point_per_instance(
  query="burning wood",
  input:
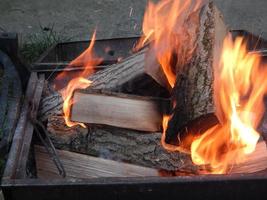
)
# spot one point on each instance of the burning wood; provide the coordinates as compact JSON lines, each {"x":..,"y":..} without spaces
{"x":193,"y":89}
{"x":207,"y":74}
{"x":113,"y":78}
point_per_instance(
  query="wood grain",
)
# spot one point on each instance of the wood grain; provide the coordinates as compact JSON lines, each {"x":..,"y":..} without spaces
{"x":84,"y":166}
{"x":115,"y":109}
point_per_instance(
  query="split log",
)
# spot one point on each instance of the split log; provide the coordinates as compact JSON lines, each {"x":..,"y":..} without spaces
{"x":117,"y":77}
{"x":126,"y":145}
{"x":117,"y":109}
{"x":139,"y":149}
{"x":83,"y":166}
{"x":193,"y":90}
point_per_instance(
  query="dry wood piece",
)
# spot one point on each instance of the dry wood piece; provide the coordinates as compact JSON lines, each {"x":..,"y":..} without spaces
{"x":84,"y":166}
{"x":116,"y":109}
{"x":193,"y":91}
{"x":131,"y":146}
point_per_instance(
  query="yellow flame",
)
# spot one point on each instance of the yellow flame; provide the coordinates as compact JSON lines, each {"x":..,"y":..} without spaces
{"x":240,"y":85}
{"x":88,"y":60}
{"x":165,"y":28}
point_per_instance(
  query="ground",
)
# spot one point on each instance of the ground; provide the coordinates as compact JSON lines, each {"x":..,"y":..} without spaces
{"x":113,"y":18}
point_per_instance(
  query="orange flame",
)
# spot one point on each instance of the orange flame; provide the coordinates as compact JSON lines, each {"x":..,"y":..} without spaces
{"x":165,"y":145}
{"x":165,"y":29}
{"x":88,"y":60}
{"x":240,"y":85}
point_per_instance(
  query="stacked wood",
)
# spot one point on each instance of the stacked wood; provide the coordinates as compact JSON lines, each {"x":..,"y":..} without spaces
{"x":193,"y":90}
{"x":193,"y":95}
{"x":118,"y":144}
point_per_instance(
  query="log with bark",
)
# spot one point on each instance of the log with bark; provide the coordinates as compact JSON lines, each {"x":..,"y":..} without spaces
{"x":193,"y":94}
{"x":140,"y":148}
{"x":193,"y":90}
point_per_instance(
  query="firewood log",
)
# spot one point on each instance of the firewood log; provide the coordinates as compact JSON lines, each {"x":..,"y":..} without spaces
{"x":138,"y":148}
{"x":118,"y":109}
{"x":118,"y":144}
{"x":193,"y":90}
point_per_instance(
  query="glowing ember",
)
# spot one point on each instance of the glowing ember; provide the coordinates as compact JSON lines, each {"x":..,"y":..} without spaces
{"x":165,"y":26}
{"x":88,"y":60}
{"x":240,"y":85}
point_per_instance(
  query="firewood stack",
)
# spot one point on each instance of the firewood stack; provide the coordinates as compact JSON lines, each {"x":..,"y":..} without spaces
{"x":125,"y":105}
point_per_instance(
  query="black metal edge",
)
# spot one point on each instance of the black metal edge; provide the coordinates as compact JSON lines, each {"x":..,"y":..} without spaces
{"x":40,"y":66}
{"x":200,"y":187}
{"x":44,"y":54}
{"x":100,"y":40}
{"x":137,"y":180}
{"x":46,"y":66}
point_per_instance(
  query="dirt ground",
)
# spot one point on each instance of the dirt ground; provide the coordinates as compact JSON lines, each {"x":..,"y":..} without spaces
{"x":113,"y":18}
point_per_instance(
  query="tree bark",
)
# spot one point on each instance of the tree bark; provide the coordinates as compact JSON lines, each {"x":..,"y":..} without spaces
{"x":134,"y":147}
{"x":112,"y":78}
{"x":193,"y":90}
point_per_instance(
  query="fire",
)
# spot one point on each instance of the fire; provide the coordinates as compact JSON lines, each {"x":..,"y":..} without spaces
{"x":169,"y":147}
{"x":165,"y":29}
{"x":240,"y":85}
{"x":80,"y":81}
